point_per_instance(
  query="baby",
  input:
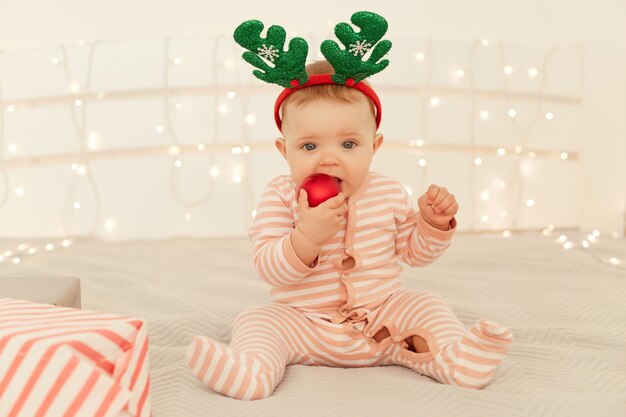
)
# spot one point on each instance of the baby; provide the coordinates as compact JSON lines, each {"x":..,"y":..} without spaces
{"x":337,"y":298}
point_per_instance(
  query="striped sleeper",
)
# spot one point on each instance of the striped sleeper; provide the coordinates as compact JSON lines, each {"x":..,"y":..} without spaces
{"x":348,"y":308}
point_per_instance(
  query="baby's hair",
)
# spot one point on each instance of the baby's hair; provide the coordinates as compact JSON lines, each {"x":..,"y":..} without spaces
{"x":325,"y":91}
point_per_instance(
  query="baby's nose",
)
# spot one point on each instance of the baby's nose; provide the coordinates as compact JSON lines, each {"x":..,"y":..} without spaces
{"x":329,"y":158}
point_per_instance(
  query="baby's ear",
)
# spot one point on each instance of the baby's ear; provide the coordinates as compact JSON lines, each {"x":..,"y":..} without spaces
{"x":281,"y":146}
{"x":378,"y":140}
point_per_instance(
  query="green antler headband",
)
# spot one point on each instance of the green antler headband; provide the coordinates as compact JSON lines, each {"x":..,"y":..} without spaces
{"x":287,"y":68}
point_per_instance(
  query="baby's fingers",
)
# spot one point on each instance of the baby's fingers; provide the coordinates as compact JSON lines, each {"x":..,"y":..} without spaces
{"x":334,"y":202}
{"x":303,"y":200}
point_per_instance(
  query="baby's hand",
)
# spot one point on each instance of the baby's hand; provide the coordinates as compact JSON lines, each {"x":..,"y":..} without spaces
{"x":319,"y":224}
{"x":438,"y":207}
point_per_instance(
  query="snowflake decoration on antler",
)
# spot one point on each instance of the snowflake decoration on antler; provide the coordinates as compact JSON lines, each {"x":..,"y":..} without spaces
{"x":268,"y":53}
{"x":360,"y":47}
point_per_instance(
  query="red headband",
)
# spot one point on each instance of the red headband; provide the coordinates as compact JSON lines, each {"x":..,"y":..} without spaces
{"x":318,"y":79}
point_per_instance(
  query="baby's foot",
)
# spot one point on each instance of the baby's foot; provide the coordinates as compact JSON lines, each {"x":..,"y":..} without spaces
{"x":472,"y":361}
{"x":238,"y":375}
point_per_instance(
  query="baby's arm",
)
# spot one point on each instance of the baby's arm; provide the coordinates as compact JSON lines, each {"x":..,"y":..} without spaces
{"x":417,"y":242}
{"x":273,"y":238}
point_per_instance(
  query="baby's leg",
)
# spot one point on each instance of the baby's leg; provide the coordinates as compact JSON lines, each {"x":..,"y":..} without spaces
{"x":255,"y":362}
{"x":431,"y":340}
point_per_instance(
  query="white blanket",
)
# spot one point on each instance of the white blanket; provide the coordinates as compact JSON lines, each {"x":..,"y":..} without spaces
{"x":567,"y":312}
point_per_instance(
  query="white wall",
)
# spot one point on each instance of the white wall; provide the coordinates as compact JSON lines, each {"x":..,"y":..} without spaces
{"x":599,"y":25}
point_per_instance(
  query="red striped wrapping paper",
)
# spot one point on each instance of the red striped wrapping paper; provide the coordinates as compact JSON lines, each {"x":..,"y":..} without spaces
{"x":57,"y":361}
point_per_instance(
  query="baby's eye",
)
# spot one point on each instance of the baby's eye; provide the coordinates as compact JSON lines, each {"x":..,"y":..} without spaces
{"x":349,"y":144}
{"x":309,"y":146}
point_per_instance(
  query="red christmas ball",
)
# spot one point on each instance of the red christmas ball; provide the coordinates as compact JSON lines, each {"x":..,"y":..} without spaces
{"x":319,"y":188}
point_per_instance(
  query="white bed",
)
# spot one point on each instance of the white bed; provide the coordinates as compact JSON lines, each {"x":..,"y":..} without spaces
{"x":567,"y":312}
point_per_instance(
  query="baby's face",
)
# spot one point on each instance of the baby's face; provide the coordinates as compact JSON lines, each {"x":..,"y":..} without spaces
{"x":330,"y":137}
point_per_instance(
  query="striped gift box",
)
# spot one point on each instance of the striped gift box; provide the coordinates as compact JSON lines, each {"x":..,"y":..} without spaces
{"x":58,"y":361}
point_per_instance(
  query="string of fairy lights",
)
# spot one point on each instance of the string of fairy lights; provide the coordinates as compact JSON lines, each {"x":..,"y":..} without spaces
{"x":80,"y":95}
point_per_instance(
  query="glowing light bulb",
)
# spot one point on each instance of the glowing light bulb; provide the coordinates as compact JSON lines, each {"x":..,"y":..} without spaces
{"x":484,"y":115}
{"x":178,"y":106}
{"x":419,"y":143}
{"x":109,"y":224}
{"x":530,"y":202}
{"x":484,"y":195}
{"x":22,"y":246}
{"x":484,"y":218}
{"x":512,"y":113}
{"x":159,"y":128}
{"x":420,"y":56}
{"x":19,"y":191}
{"x":66,"y":243}
{"x":533,"y":72}
{"x":236,"y":150}
{"x":568,"y":245}
{"x":78,"y":102}
{"x":49,"y":246}
{"x":237,"y":179}
{"x":408,"y":190}
{"x":177,"y":61}
{"x":200,"y":147}
{"x":434,"y":101}
{"x":478,"y":161}
{"x":506,"y":234}
{"x":585,"y":244}
{"x":564,"y":155}
{"x":12,"y":148}
{"x":484,"y":42}
{"x":32,"y":251}
{"x":518,"y":149}
{"x":55,"y":60}
{"x":549,"y":116}
{"x":76,"y":205}
{"x":174,"y":150}
{"x":231,"y":94}
{"x":16,"y":260}
{"x":178,"y":163}
{"x":187,"y":216}
{"x":250,"y":119}
{"x":74,"y":87}
{"x":501,"y":151}
{"x":531,"y":155}
{"x":222,"y":108}
{"x":503,"y":214}
{"x":614,"y":261}
{"x":596,"y":233}
{"x":253,"y":213}
{"x":422,"y":162}
{"x":214,"y":171}
{"x":562,"y":238}
{"x":460,"y":72}
{"x":508,"y":70}
{"x":246,"y":149}
{"x":10,"y":108}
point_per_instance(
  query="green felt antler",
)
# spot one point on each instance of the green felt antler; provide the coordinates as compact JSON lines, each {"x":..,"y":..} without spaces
{"x":348,"y":62}
{"x":287,"y":65}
